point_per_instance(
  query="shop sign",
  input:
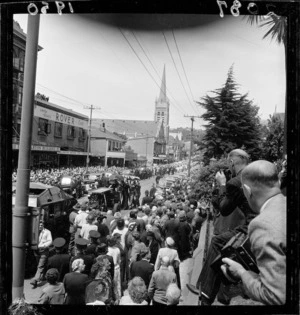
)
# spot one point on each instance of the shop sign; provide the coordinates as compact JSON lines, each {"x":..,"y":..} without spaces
{"x":59,"y":117}
{"x":38,"y":148}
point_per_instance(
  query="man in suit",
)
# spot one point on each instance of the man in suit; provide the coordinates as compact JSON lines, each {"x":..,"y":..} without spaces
{"x":230,"y":198}
{"x":267,"y":234}
{"x":142,"y":268}
{"x":153,"y":246}
{"x":60,"y":260}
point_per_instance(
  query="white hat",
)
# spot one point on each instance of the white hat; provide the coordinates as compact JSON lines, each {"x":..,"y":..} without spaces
{"x":170,"y":242}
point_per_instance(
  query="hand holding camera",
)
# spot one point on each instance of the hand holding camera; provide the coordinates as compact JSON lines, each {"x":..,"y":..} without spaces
{"x":221,"y":178}
{"x":232,"y":269}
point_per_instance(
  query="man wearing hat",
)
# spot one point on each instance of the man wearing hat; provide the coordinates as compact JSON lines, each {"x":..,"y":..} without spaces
{"x":60,"y":260}
{"x":94,"y":237}
{"x":81,"y":246}
{"x":142,"y":268}
{"x":80,"y":219}
{"x":72,"y":229}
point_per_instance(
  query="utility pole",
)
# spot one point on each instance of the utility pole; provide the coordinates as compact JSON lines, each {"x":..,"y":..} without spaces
{"x":23,"y":173}
{"x":91,"y":108}
{"x":191,"y":146}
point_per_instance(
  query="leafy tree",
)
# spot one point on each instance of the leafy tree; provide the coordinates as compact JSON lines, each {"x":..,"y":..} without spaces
{"x":277,"y":30}
{"x":274,"y":138}
{"x":233,"y":122}
{"x":203,"y":180}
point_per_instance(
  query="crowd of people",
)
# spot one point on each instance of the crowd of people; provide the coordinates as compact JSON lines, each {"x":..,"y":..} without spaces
{"x":117,"y":259}
{"x":135,"y":259}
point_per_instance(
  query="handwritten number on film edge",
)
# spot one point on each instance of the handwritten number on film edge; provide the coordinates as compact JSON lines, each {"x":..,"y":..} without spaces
{"x":33,"y":9}
{"x":234,"y":9}
{"x":220,"y":3}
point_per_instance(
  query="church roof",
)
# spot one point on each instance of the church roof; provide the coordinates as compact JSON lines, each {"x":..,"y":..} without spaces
{"x":101,"y":134}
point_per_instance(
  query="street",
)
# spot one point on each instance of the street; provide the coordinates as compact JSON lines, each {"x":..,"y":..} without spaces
{"x":188,"y":269}
{"x":32,"y":295}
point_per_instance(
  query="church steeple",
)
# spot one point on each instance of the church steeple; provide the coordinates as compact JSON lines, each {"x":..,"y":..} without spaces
{"x":163,"y":89}
{"x":162,"y":105}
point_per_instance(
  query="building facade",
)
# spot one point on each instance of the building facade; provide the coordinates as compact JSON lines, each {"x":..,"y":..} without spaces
{"x":59,"y":137}
{"x":146,"y":138}
{"x":107,"y":147}
{"x":19,"y":46}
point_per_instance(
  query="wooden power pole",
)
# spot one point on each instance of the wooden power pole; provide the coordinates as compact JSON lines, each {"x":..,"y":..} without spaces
{"x":191,"y":146}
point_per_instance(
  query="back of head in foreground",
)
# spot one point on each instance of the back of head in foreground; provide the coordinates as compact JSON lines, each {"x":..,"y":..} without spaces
{"x":137,"y":290}
{"x":173,"y":294}
{"x":260,"y":182}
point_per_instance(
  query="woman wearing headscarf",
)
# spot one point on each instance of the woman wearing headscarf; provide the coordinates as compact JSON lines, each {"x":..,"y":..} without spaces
{"x":75,"y":283}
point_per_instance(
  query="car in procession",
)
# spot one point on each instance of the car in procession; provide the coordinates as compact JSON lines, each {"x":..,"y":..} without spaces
{"x":50,"y":205}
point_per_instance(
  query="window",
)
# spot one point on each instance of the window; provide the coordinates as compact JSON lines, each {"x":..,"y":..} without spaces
{"x":158,"y":113}
{"x":162,"y":113}
{"x":44,"y":127}
{"x":71,"y":132}
{"x":109,"y":145}
{"x":58,"y":130}
{"x":82,"y":134}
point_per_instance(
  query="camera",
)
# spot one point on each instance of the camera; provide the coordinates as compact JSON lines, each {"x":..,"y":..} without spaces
{"x":238,"y":248}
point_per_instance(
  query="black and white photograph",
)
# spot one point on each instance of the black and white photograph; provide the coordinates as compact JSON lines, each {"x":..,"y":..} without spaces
{"x":150,"y":156}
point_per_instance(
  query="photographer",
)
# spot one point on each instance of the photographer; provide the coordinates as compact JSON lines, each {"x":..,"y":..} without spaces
{"x":267,"y":233}
{"x":230,"y":199}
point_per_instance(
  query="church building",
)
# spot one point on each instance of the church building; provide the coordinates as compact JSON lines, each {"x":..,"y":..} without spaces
{"x":148,"y":138}
{"x":162,"y":106}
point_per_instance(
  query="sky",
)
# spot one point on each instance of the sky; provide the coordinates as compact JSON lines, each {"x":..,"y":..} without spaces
{"x":86,"y":60}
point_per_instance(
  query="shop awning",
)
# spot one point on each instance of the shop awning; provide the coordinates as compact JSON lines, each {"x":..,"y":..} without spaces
{"x":73,"y":153}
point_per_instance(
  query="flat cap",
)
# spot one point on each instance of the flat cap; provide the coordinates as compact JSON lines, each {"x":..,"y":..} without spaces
{"x":81,"y":242}
{"x":59,"y":242}
{"x":94,"y":234}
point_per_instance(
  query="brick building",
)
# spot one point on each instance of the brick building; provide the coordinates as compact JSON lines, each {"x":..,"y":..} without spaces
{"x":59,"y":137}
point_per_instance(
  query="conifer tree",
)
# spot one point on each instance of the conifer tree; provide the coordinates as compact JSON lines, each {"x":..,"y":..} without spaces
{"x":232,"y":122}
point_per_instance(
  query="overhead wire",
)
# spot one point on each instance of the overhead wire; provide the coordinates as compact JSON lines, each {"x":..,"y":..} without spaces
{"x":73,"y":102}
{"x":136,"y":54}
{"x":178,"y":51}
{"x":177,"y":70}
{"x":171,"y":95}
